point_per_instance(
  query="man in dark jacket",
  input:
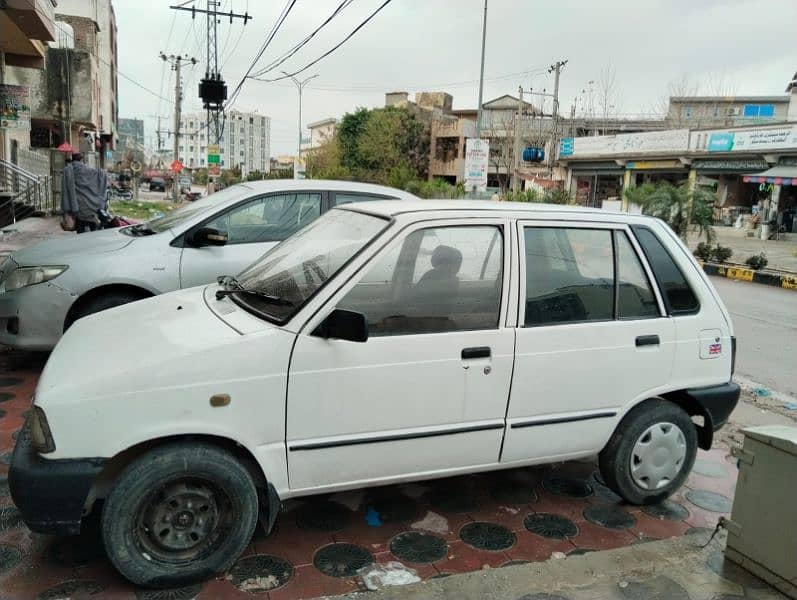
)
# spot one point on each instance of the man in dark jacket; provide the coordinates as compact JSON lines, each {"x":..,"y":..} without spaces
{"x":83,"y":193}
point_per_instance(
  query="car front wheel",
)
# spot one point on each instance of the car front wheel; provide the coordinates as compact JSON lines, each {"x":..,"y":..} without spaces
{"x":178,"y":514}
{"x":650,"y":453}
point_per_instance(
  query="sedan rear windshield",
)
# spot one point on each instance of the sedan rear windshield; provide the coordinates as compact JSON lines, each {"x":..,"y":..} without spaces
{"x":287,"y":276}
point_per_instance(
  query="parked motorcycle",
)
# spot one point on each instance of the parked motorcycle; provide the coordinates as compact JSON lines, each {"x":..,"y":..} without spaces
{"x":108,"y":220}
{"x":118,"y":192}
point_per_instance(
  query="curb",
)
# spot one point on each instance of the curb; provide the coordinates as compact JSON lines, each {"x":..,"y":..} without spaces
{"x":743,"y":274}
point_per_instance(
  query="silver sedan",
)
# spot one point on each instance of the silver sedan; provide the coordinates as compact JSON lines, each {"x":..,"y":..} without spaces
{"x":45,"y":287}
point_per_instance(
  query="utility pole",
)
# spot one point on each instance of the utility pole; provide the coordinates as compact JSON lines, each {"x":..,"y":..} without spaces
{"x":516,"y":146}
{"x":555,"y":68}
{"x":300,"y":86}
{"x":177,"y":62}
{"x":481,"y":75}
{"x":213,"y":89}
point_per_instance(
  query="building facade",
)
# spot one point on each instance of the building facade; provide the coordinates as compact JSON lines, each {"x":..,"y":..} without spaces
{"x":130,"y":141}
{"x":726,"y":111}
{"x":245,"y":142}
{"x":321,"y":133}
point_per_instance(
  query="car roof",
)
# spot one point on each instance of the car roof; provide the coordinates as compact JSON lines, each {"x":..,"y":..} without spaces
{"x":390,"y":208}
{"x":279,"y":185}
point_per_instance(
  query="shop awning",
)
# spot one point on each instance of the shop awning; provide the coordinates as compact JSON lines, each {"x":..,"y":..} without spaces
{"x":782,"y":175}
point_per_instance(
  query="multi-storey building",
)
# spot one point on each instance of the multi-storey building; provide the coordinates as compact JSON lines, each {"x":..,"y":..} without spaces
{"x":245,"y":142}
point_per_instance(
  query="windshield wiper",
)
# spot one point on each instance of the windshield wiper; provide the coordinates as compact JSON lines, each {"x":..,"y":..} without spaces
{"x":234,"y":287}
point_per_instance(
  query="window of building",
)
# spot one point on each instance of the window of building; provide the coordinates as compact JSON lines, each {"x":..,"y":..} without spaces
{"x":201,"y":161}
{"x":241,"y":153}
{"x":437,"y":280}
{"x":569,"y":275}
{"x":251,"y":120}
{"x":759,"y":110}
{"x":190,"y":148}
{"x":679,"y":298}
{"x":686,"y":111}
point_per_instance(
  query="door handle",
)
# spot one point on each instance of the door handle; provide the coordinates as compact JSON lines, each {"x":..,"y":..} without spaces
{"x":647,"y":340}
{"x":475,"y":352}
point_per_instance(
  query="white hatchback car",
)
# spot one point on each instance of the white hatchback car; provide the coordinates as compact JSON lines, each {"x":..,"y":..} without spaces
{"x":384,"y":342}
{"x":46,"y":287}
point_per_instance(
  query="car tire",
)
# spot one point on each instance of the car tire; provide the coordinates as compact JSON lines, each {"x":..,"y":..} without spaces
{"x":650,"y":453}
{"x":103,"y":302}
{"x":204,"y":503}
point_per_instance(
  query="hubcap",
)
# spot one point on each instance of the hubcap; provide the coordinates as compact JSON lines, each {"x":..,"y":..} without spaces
{"x":182,"y":520}
{"x":658,"y":456}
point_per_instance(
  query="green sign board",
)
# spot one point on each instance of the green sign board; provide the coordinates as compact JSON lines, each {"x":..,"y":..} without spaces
{"x":213,"y":159}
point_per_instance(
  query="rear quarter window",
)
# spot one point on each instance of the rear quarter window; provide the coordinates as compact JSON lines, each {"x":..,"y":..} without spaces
{"x":679,"y":297}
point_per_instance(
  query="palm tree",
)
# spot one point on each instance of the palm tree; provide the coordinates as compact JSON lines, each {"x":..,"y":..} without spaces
{"x":671,"y":204}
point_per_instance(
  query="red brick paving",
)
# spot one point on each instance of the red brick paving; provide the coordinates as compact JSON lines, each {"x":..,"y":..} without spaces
{"x":35,"y":573}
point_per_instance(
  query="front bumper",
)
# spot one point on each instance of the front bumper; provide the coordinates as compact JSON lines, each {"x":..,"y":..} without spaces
{"x":32,"y":318}
{"x":50,"y":494}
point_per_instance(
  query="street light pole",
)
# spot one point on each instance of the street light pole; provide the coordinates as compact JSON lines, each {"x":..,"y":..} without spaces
{"x":300,"y":86}
{"x":481,"y":75}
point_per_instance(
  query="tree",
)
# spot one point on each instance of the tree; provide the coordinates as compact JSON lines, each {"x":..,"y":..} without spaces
{"x":671,"y":204}
{"x":379,"y":145}
{"x":608,"y":93}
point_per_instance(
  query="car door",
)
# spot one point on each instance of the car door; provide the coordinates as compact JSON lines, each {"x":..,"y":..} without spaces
{"x":427,"y":392}
{"x":252,"y":227}
{"x":593,"y":337}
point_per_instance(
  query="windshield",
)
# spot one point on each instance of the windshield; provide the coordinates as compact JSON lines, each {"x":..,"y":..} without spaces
{"x":293,"y":271}
{"x":174,"y":218}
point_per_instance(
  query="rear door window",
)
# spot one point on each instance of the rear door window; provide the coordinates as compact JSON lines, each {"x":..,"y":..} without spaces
{"x":679,"y":298}
{"x":569,"y":275}
{"x":349,"y":198}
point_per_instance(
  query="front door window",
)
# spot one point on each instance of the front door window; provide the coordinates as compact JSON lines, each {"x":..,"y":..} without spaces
{"x":439,"y":279}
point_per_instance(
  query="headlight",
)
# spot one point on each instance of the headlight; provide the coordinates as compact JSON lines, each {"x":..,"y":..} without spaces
{"x":25,"y":276}
{"x":40,"y":435}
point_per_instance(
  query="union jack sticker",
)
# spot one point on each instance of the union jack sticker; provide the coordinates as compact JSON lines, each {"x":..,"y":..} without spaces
{"x":714,"y":349}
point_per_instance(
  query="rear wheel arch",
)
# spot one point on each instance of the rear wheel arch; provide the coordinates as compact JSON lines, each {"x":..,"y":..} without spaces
{"x":705,"y":429}
{"x":134,"y":291}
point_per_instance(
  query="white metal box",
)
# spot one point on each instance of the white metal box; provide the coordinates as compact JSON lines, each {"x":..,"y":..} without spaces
{"x":762,"y":531}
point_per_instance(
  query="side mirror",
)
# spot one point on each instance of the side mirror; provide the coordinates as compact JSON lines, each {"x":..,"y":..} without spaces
{"x":207,"y":236}
{"x":344,"y":325}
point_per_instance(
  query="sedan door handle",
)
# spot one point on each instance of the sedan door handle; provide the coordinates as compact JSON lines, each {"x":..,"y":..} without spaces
{"x":475,"y":352}
{"x":647,"y":340}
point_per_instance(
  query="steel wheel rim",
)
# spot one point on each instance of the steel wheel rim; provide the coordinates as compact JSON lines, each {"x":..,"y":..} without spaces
{"x":183,"y":520}
{"x":658,"y":456}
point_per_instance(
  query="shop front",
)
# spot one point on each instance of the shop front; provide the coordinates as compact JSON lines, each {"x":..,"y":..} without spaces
{"x":593,"y":182}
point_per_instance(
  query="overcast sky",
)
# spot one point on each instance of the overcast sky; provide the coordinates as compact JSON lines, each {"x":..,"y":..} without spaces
{"x":741,"y":46}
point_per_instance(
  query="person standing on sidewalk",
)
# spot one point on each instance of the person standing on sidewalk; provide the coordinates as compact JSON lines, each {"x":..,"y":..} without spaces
{"x":83,"y":193}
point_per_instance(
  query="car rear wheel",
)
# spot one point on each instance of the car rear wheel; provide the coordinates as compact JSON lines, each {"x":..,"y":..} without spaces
{"x":178,"y":514}
{"x":650,"y":453}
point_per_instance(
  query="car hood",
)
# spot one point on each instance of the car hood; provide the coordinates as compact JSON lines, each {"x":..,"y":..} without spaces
{"x":58,"y":250}
{"x":143,"y":346}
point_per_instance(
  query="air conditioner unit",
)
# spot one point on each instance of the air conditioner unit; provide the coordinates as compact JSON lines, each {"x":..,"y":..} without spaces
{"x":762,"y":530}
{"x":734,"y":111}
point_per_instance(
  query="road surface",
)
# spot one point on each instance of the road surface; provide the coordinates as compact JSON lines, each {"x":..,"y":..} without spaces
{"x":765,"y":320}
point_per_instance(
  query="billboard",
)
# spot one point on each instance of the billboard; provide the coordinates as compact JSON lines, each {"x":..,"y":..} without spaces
{"x":477,"y":156}
{"x":745,"y":140}
{"x":14,"y":107}
{"x":672,"y":140}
